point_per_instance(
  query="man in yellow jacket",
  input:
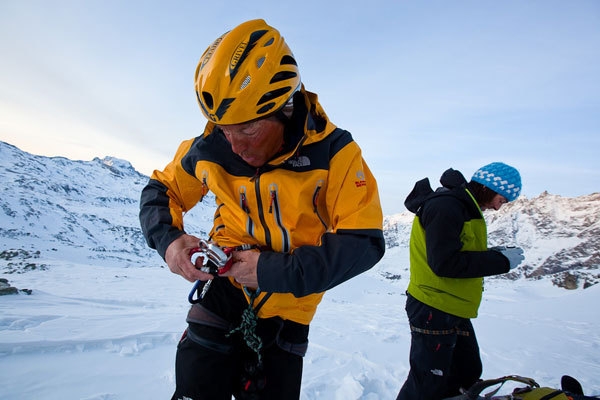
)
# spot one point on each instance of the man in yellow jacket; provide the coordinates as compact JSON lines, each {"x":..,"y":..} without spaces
{"x":298,"y":212}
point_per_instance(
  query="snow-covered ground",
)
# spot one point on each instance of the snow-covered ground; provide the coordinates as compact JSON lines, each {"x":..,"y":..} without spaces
{"x":107,"y":333}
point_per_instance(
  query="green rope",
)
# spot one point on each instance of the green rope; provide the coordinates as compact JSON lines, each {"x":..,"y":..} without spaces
{"x":247,"y":328}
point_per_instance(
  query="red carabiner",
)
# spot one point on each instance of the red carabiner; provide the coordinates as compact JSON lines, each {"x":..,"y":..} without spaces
{"x":229,"y":262}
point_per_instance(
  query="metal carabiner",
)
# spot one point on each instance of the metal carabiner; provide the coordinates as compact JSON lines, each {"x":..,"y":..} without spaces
{"x":199,"y":289}
{"x":215,"y":261}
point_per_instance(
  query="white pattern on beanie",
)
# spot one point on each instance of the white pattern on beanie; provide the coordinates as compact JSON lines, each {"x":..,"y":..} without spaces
{"x":501,"y":178}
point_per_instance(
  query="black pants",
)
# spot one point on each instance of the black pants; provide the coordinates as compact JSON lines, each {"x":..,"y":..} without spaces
{"x":444,"y":354}
{"x":210,"y":364}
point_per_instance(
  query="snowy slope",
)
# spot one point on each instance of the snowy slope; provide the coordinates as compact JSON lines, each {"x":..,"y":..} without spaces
{"x":109,"y":333}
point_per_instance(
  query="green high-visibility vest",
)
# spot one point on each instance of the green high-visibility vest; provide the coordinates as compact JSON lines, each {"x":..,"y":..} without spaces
{"x":456,"y":296}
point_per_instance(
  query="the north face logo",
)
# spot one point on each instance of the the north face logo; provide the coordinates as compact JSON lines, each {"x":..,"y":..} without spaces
{"x":299,"y":161}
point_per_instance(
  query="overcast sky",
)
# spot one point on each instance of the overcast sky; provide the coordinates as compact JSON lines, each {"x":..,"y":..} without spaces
{"x":421,"y":85}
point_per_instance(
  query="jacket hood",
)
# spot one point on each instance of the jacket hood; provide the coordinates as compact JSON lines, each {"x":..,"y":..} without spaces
{"x":316,"y":123}
{"x":452,"y":178}
{"x":422,"y":191}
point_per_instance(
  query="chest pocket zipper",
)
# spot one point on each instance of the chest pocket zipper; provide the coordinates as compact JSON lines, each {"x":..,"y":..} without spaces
{"x":244,"y":206}
{"x":275,"y":209}
{"x":315,"y":201}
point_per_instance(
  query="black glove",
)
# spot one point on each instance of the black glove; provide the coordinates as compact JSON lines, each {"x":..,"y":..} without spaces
{"x":514,"y":254}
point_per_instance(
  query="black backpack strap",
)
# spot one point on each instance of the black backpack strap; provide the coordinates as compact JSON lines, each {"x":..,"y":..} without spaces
{"x":477,"y":388}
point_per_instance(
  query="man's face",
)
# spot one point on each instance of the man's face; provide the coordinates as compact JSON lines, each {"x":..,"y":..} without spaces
{"x":495,"y":203}
{"x":255,"y":142}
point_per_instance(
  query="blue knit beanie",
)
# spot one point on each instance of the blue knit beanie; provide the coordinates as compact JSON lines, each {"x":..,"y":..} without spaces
{"x":501,"y":178}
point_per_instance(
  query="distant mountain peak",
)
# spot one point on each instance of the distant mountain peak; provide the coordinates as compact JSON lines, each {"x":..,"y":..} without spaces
{"x":76,"y":211}
{"x":560,"y":237}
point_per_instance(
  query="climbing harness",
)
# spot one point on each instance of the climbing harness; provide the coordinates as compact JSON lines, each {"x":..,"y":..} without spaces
{"x":439,"y":332}
{"x":216,"y":261}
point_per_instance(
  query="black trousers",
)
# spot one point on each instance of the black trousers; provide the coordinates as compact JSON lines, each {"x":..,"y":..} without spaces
{"x":213,"y":364}
{"x":444,"y":354}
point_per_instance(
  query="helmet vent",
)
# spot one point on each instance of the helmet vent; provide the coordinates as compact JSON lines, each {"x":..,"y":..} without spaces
{"x":288,"y":60}
{"x":282,"y":76}
{"x":260,"y":62}
{"x":269,"y":42}
{"x":266,"y":108}
{"x":246,"y":82}
{"x":273,"y":94}
{"x":208,"y":100}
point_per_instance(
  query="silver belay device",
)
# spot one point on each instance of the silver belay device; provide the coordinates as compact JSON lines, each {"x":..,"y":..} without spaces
{"x":215,"y":261}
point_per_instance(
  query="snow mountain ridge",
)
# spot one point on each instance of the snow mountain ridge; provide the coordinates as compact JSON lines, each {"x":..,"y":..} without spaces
{"x":54,"y":208}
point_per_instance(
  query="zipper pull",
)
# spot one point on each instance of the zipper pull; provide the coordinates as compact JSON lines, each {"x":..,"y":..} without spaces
{"x":271,"y":202}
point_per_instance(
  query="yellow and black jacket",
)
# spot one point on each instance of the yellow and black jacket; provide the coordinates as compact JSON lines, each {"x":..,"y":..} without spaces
{"x":315,"y":204}
{"x":448,"y":247}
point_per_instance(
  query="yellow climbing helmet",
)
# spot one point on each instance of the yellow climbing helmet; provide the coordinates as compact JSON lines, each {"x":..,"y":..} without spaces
{"x":245,"y":74}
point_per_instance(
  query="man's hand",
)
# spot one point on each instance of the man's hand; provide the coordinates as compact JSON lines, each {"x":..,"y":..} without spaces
{"x":243,"y":269}
{"x":514,"y":254}
{"x":178,"y":259}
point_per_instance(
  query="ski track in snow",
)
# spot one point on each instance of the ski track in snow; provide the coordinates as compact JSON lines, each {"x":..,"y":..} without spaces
{"x":108,"y":333}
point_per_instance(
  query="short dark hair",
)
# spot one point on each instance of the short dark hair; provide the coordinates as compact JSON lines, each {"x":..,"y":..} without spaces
{"x":482,"y":194}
